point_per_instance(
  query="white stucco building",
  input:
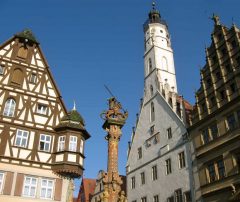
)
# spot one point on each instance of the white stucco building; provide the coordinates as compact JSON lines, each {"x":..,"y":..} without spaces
{"x":159,"y":165}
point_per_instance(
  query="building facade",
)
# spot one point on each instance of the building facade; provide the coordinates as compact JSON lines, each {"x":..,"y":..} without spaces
{"x":98,"y":194}
{"x":41,"y":144}
{"x":159,"y":164}
{"x":86,"y":190}
{"x":215,"y":129}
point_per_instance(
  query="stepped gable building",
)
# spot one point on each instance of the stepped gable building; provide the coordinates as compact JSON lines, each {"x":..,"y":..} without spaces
{"x":159,"y":161}
{"x":41,"y":144}
{"x":86,"y":190}
{"x":215,"y":129}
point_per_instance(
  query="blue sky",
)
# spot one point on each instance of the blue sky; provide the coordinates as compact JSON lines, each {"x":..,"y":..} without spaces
{"x":89,"y":43}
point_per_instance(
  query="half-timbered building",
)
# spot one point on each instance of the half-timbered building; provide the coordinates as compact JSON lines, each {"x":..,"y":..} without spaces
{"x":41,"y":144}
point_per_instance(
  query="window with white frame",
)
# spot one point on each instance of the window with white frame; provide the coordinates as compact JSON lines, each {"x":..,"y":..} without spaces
{"x":33,"y":78}
{"x":73,"y":143}
{"x":154,"y":173}
{"x":29,"y":186}
{"x":9,"y":107}
{"x":46,"y":188}
{"x":168,"y":166}
{"x":155,"y":198}
{"x":1,"y":181}
{"x":181,"y":160}
{"x":1,"y":70}
{"x":61,"y":143}
{"x":42,"y":109}
{"x":21,"y":138}
{"x":45,"y":143}
{"x":81,"y":145}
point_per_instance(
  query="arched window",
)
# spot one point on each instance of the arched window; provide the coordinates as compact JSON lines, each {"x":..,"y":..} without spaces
{"x":152,"y":112}
{"x":151,"y":90}
{"x":9,"y":107}
{"x":17,"y":77}
{"x":22,"y":52}
{"x":164,"y":63}
{"x":149,"y":65}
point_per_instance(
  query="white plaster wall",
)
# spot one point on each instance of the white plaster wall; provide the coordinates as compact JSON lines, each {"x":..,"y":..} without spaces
{"x":33,"y":172}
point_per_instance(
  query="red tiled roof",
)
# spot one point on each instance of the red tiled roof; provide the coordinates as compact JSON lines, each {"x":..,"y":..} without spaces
{"x":87,"y":189}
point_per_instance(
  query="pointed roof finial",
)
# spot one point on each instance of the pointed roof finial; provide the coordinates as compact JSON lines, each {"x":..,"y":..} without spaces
{"x":216,"y":19}
{"x":74,"y":105}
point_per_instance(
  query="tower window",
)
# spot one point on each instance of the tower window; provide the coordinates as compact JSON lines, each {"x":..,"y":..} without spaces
{"x":164,"y":63}
{"x":169,"y":133}
{"x":149,"y":65}
{"x":151,"y":90}
{"x":9,"y":108}
{"x":152,"y":112}
{"x":139,"y":152}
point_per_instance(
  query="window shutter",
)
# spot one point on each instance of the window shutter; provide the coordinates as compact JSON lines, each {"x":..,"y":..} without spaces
{"x":8,"y":183}
{"x":19,"y":184}
{"x":58,"y":190}
{"x":17,"y":77}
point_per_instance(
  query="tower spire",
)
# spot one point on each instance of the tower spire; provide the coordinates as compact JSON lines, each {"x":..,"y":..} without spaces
{"x":153,"y":5}
{"x":74,"y":105}
{"x":216,"y":19}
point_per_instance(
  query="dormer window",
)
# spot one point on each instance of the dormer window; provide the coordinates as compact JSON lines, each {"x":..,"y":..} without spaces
{"x":73,"y":143}
{"x":42,"y":109}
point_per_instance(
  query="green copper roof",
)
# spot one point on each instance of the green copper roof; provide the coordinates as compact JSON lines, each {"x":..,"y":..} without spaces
{"x":74,"y":116}
{"x":72,"y":120}
{"x":27,"y":34}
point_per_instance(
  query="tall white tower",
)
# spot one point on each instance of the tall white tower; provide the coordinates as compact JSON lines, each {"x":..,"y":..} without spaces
{"x":159,"y":165}
{"x":158,"y":51}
